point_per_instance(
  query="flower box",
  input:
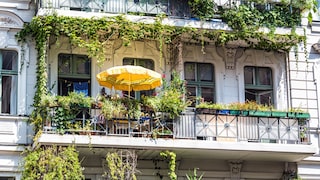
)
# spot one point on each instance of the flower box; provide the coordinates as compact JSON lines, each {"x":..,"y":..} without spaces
{"x":205,"y":111}
{"x":244,"y":113}
{"x":300,"y":115}
{"x":223,"y":111}
{"x":260,"y":113}
{"x":279,"y":114}
{"x":235,"y":112}
{"x":291,"y":115}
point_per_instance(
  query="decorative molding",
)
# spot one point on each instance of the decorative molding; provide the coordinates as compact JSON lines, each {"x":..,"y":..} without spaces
{"x":10,"y":20}
{"x":18,"y":4}
{"x":230,"y":57}
{"x":235,"y":170}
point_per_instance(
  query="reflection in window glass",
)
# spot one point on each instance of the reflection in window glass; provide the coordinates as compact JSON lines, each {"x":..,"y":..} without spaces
{"x":9,"y":61}
{"x":264,"y":76}
{"x":82,"y":65}
{"x":64,"y":65}
{"x":205,"y":72}
{"x":190,"y":73}
{"x":248,"y":75}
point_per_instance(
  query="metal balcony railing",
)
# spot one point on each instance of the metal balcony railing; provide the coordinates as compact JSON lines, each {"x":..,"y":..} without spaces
{"x":190,"y":125}
{"x":173,"y":8}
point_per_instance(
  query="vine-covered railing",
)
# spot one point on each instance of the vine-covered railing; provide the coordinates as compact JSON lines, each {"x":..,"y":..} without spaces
{"x":173,"y":8}
{"x":223,"y":125}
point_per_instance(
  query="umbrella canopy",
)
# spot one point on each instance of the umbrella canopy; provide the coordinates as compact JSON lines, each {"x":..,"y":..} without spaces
{"x":129,"y":78}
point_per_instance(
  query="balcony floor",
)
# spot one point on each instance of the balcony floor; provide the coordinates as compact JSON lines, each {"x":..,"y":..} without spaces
{"x":148,"y":148}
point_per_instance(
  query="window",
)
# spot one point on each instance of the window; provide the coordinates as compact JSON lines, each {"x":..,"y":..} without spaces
{"x":146,"y":63}
{"x":74,"y":74}
{"x":9,"y":81}
{"x":258,"y":84}
{"x":7,"y":178}
{"x":200,"y":81}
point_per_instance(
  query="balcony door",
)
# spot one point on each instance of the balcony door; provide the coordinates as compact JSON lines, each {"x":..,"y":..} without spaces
{"x":74,"y":74}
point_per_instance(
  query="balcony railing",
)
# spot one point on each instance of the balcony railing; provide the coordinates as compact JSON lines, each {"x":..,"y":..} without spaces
{"x":173,"y":8}
{"x":190,"y":125}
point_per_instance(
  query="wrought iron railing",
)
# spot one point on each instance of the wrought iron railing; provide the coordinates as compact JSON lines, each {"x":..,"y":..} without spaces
{"x":172,"y":8}
{"x":190,"y":125}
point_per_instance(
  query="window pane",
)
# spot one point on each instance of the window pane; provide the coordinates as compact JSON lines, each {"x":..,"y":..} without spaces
{"x":189,"y":72}
{"x":265,"y":98}
{"x":128,"y":61}
{"x":9,"y":97}
{"x":10,"y":60}
{"x":265,"y":77}
{"x":249,"y":75}
{"x":250,"y":95}
{"x":205,"y":72}
{"x":82,"y":65}
{"x":64,"y":65}
{"x":207,"y":94}
{"x":147,"y":63}
{"x":191,"y":94}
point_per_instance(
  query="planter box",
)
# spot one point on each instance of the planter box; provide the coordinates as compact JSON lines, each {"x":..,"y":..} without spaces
{"x":279,"y":114}
{"x":291,"y":115}
{"x":235,"y":112}
{"x":223,"y":111}
{"x":206,"y":111}
{"x":302,"y":115}
{"x":260,"y":113}
{"x":244,"y":113}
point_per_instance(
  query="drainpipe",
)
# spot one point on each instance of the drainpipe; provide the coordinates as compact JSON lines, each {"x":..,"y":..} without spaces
{"x":288,"y":77}
{"x":318,"y":112}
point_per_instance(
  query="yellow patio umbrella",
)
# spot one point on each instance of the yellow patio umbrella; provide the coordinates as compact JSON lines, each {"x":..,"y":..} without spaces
{"x":129,"y":78}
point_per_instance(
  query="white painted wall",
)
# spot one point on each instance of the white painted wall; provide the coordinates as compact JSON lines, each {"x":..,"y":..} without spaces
{"x":15,"y":132}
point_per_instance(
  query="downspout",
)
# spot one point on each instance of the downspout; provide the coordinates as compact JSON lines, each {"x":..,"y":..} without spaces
{"x":288,"y":84}
{"x":318,"y":112}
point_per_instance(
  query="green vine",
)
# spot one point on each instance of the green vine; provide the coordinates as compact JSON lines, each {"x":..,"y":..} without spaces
{"x":93,"y":34}
{"x":52,"y":162}
{"x":121,"y":165}
{"x":171,"y":157}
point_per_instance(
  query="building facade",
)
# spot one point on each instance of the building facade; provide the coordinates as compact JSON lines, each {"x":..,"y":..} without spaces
{"x":222,"y":146}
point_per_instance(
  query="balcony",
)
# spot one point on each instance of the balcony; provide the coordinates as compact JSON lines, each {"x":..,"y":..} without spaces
{"x":193,"y":134}
{"x":15,"y":131}
{"x":217,"y":126}
{"x":172,"y":8}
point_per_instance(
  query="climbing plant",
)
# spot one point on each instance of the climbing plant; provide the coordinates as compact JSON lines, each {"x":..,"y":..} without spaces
{"x":93,"y":34}
{"x":52,"y":162}
{"x":171,"y":158}
{"x":121,"y":165}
